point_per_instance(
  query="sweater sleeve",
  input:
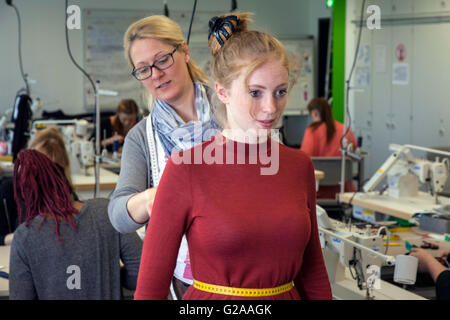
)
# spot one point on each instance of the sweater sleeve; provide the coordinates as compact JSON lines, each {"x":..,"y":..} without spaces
{"x":21,"y":286}
{"x":133,"y":179}
{"x":130,"y":254}
{"x":308,"y":142}
{"x":443,"y":285}
{"x":170,"y":216}
{"x":312,"y":281}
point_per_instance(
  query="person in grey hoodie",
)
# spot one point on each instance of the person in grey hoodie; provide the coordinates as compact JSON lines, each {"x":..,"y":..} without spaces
{"x":65,"y":249}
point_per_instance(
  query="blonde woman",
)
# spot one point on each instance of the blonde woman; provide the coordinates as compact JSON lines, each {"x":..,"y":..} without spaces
{"x":251,"y":235}
{"x":179,"y":102}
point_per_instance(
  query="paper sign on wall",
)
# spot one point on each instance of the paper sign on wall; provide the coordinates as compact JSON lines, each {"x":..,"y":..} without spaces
{"x":400,"y":74}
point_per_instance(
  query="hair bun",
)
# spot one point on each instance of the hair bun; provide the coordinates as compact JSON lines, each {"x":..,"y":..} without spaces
{"x":217,"y":27}
{"x":222,"y":27}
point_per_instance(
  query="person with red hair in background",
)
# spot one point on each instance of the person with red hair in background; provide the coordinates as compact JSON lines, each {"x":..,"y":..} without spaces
{"x":64,"y":249}
{"x":323,"y":139}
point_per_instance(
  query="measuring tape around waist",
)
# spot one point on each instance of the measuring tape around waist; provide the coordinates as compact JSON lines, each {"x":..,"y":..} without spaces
{"x":242,"y":292}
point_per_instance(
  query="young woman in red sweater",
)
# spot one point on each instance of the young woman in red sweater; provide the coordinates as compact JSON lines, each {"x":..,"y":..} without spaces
{"x":245,"y":202}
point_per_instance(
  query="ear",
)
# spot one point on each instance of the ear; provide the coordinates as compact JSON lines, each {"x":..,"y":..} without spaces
{"x":187,"y":52}
{"x":222,"y":93}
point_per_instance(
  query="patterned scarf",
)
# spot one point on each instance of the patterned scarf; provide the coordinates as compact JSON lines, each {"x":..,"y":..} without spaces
{"x":177,"y":135}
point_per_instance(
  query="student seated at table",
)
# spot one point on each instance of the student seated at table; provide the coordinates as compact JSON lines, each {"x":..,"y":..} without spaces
{"x":117,"y":126}
{"x":65,"y":249}
{"x":437,"y":268}
{"x":51,"y":143}
{"x":322,"y":138}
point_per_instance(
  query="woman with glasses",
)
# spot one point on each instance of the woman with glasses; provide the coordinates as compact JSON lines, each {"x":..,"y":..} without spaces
{"x":180,"y":117}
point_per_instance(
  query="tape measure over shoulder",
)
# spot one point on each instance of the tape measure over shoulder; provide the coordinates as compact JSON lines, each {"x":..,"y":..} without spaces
{"x":152,"y":149}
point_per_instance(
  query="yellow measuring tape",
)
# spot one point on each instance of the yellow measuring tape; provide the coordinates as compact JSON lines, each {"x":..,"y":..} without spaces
{"x":242,"y":292}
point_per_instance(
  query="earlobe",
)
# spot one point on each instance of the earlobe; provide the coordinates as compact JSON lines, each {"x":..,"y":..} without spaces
{"x":187,"y":52}
{"x":221,"y":93}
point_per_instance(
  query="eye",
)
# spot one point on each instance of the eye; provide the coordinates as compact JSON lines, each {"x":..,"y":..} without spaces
{"x":281,"y":93}
{"x":143,"y":70}
{"x":254,"y":93}
{"x":162,"y":61}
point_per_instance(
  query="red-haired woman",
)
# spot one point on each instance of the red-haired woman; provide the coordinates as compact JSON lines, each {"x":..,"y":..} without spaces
{"x":65,"y":249}
{"x":323,"y":138}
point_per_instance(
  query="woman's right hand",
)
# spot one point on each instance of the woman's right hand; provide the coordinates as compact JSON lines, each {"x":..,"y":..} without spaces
{"x":140,"y":205}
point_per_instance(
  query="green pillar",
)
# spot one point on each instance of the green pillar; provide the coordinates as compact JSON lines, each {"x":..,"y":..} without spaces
{"x":338,"y":72}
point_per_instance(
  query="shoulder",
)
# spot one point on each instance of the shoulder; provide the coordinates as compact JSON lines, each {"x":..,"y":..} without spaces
{"x":138,"y":131}
{"x":296,"y":155}
{"x":138,"y":134}
{"x":296,"y":159}
{"x":190,"y":156}
{"x":29,"y":233}
{"x":97,"y":207}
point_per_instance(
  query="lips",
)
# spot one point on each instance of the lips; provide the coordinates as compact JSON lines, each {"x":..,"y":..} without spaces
{"x":266,"y":123}
{"x":163,"y":85}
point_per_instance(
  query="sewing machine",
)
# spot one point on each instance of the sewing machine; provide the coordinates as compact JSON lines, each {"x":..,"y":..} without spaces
{"x":353,"y":260}
{"x":404,"y":172}
{"x":76,"y":136}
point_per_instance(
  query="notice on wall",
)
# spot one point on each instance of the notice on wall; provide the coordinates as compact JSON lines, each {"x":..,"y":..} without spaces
{"x":362,"y":71}
{"x":400,"y":74}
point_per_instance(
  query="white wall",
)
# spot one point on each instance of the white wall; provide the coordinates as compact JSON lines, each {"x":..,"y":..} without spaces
{"x":417,"y":113}
{"x":59,"y":83}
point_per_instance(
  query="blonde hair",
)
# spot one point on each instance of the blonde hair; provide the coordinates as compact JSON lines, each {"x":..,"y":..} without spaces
{"x":242,"y":45}
{"x":166,"y":30}
{"x":51,"y":143}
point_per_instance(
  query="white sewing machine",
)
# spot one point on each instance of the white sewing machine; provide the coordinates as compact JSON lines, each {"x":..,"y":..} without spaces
{"x":404,"y":172}
{"x":353,"y":259}
{"x":76,"y":138}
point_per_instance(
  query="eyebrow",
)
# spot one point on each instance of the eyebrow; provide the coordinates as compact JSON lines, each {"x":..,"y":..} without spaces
{"x":262,"y":87}
{"x":145,"y":63}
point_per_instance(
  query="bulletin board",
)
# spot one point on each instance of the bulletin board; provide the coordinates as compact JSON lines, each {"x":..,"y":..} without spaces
{"x":302,"y":54}
{"x":104,"y":57}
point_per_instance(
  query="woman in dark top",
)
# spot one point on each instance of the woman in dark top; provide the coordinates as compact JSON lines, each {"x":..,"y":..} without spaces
{"x":438,"y":270}
{"x":65,"y":249}
{"x":117,"y":126}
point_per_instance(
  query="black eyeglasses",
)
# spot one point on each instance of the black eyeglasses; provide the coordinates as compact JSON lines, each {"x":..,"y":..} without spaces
{"x":163,"y":63}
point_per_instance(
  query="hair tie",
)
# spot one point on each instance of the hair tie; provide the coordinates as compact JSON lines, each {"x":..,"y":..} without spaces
{"x":217,"y":26}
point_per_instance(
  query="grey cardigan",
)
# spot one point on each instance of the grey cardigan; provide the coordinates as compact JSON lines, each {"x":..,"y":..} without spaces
{"x":135,"y":176}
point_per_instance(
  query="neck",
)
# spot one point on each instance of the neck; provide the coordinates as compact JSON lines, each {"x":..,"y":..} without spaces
{"x":249,"y":136}
{"x":184,"y":106}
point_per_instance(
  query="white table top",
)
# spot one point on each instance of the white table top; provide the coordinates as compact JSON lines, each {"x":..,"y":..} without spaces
{"x":108,"y":180}
{"x":402,"y":208}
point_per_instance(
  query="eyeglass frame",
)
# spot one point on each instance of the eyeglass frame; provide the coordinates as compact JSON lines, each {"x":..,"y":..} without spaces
{"x":154,"y":66}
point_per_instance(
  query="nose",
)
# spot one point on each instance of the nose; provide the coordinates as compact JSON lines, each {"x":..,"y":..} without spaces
{"x":156,"y":73}
{"x":270,"y":105}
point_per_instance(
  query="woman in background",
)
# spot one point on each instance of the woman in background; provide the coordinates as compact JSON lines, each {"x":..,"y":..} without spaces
{"x":117,"y":126}
{"x":50,"y":143}
{"x":179,"y":102}
{"x":323,"y":138}
{"x":251,"y":234}
{"x":64,"y":249}
{"x":437,"y":268}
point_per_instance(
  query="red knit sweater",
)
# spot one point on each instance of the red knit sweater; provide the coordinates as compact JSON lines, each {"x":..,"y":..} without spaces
{"x":244,"y":229}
